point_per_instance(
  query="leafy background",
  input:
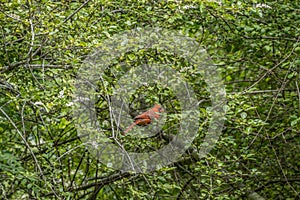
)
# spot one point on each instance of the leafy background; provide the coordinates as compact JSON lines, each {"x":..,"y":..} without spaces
{"x":255,"y":46}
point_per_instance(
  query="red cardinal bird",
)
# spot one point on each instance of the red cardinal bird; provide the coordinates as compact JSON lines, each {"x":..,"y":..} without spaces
{"x":146,"y":117}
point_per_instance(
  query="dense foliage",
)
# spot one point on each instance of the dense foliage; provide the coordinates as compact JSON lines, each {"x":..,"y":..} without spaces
{"x":254,"y":45}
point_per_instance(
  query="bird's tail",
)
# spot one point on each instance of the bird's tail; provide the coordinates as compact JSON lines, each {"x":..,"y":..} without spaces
{"x":129,"y":128}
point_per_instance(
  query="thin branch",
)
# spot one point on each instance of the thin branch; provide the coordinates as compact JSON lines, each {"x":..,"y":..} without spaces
{"x":263,"y":91}
{"x":76,"y":11}
{"x":298,"y":92}
{"x":271,"y":38}
{"x":270,"y":70}
{"x":283,"y":181}
{"x":29,"y":148}
{"x":39,"y":66}
{"x":280,"y":89}
{"x":100,"y":183}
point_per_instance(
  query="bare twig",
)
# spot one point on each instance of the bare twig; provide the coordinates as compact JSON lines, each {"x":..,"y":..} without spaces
{"x":263,"y":91}
{"x":76,"y":11}
{"x":298,"y":92}
{"x":277,"y":65}
{"x":281,"y":89}
{"x":29,"y":148}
